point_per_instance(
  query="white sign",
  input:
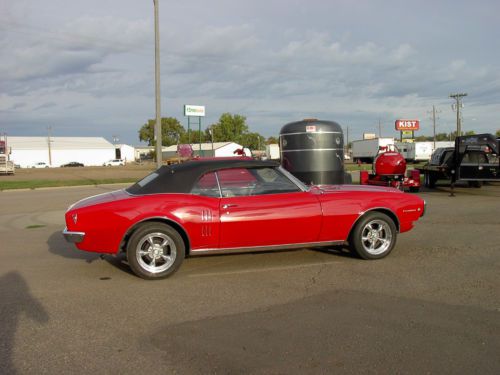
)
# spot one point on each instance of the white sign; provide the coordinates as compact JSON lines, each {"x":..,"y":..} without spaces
{"x":194,"y":110}
{"x":311,"y":128}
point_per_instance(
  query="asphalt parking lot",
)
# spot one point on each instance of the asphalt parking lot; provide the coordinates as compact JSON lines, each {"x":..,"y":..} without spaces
{"x":432,"y":306}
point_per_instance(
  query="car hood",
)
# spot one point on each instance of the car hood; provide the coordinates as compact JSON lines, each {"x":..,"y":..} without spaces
{"x":355,"y":188}
{"x":101,"y":198}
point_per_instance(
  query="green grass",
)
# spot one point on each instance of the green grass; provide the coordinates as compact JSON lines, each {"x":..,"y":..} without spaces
{"x":36,"y":184}
{"x":35,"y":226}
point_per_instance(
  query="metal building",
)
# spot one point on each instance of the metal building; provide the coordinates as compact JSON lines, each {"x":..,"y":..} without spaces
{"x":56,"y":151}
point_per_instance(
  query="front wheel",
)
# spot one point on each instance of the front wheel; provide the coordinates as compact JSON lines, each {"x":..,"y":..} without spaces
{"x":374,"y":236}
{"x":155,"y":251}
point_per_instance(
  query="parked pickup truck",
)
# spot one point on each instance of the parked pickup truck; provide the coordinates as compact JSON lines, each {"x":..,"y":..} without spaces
{"x":474,"y":159}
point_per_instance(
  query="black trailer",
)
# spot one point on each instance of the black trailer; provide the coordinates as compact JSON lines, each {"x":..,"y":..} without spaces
{"x":480,"y":169}
{"x":474,"y":159}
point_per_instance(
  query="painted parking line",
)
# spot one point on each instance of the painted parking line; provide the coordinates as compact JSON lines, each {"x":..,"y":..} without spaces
{"x":264,"y":269}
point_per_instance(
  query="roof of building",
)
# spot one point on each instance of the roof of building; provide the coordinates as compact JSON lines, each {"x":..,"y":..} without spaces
{"x":58,"y":143}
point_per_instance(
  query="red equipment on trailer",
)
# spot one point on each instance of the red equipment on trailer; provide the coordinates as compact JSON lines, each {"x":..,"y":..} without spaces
{"x":389,"y":169}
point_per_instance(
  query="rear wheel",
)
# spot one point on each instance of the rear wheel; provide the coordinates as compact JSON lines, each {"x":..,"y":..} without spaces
{"x":155,"y":251}
{"x":374,"y":236}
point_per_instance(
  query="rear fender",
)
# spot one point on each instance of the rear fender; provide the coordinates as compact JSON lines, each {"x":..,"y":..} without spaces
{"x":159,"y":219}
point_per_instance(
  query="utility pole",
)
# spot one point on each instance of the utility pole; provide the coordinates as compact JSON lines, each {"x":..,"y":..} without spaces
{"x":158,"y":135}
{"x":458,"y":98}
{"x":379,"y":129}
{"x":49,"y":128}
{"x":434,"y":112}
{"x":346,"y":150}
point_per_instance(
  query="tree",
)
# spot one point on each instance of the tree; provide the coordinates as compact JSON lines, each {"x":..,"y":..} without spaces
{"x":230,"y":128}
{"x":272,"y":140}
{"x":253,"y":141}
{"x":442,"y":137}
{"x":195,"y":137}
{"x":498,"y":133}
{"x":172,"y":132}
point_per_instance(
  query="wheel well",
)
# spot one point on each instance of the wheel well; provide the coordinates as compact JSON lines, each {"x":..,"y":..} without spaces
{"x":385,"y":211}
{"x":171,"y":223}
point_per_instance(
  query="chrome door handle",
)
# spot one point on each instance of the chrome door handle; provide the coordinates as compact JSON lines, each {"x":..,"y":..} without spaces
{"x":226,"y":206}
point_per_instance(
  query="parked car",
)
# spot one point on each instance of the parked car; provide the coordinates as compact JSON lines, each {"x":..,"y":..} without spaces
{"x":72,"y":164}
{"x":114,"y":162}
{"x":203,"y":207}
{"x":40,"y":164}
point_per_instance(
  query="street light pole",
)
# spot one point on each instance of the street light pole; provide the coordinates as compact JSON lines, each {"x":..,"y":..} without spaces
{"x":157,"y":88}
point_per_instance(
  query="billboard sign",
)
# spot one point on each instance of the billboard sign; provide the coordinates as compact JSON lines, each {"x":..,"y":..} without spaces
{"x":407,"y":125}
{"x":194,"y":110}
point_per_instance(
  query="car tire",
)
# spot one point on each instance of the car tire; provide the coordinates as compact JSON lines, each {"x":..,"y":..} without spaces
{"x":155,"y":251}
{"x":374,"y":236}
{"x":414,"y":189}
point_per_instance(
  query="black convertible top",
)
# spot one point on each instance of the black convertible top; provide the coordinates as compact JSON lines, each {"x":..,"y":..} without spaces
{"x":180,"y":178}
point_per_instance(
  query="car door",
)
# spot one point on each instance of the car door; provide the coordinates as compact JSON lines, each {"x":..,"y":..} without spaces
{"x":262,"y":207}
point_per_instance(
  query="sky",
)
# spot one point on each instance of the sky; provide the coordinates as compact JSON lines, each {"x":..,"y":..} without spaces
{"x":86,"y":68}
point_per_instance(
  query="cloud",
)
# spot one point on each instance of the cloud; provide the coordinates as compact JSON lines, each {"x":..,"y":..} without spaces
{"x":93,"y":65}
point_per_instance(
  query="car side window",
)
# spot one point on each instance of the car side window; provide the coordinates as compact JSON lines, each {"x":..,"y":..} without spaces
{"x":271,"y":181}
{"x":250,"y":182}
{"x":236,"y":182}
{"x":207,"y":186}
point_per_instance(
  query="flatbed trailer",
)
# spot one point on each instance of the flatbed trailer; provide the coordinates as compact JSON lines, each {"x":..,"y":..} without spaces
{"x":474,"y":159}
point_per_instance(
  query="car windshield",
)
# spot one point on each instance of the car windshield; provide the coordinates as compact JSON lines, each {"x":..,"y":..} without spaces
{"x":294,"y":179}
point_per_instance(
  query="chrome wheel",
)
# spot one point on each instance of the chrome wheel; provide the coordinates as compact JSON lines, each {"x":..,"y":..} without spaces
{"x":156,"y":252}
{"x":376,"y":237}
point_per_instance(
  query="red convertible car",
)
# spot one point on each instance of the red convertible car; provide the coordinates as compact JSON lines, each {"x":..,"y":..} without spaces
{"x":221,"y":206}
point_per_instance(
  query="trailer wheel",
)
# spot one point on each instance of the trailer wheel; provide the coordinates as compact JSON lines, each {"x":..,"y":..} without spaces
{"x":429,"y":180}
{"x":475,"y":184}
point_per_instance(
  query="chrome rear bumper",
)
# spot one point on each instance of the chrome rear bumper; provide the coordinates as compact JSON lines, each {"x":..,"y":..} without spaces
{"x":73,"y":237}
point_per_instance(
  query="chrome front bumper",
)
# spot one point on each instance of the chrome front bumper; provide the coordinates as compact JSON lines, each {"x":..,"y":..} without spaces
{"x":73,"y":237}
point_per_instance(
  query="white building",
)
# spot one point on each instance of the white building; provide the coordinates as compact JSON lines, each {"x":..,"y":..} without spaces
{"x":91,"y":151}
{"x":125,"y":152}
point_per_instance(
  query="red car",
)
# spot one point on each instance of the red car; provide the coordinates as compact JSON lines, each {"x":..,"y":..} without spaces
{"x":222,"y":206}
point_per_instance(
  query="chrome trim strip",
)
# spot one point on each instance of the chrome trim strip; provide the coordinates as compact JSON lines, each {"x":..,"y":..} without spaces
{"x":313,"y":149}
{"x":216,"y":173}
{"x":292,"y":178}
{"x":255,"y":249}
{"x":73,"y":237}
{"x":320,"y":132}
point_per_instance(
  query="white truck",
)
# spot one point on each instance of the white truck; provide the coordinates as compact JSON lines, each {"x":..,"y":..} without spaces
{"x":365,"y":150}
{"x":273,"y":151}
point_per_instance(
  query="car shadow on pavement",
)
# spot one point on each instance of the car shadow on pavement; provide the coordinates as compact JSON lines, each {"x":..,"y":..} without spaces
{"x":342,"y":251}
{"x":17,"y":304}
{"x":58,"y":246}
